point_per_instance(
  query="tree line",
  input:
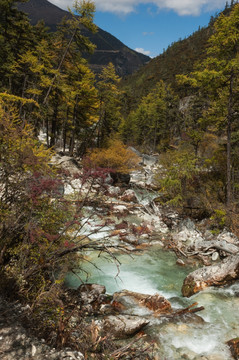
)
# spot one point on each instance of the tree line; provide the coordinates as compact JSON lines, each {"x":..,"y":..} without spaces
{"x":47,"y":77}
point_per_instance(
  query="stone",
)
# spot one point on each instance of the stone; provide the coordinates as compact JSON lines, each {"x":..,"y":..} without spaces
{"x":234,"y":347}
{"x":113,"y":191}
{"x":90,"y":293}
{"x":219,"y":274}
{"x":129,"y":196}
{"x":180,"y":262}
{"x":188,"y":234}
{"x":155,"y":303}
{"x":123,"y":326}
{"x":215,"y":256}
{"x":228,"y":237}
{"x":120,"y":209}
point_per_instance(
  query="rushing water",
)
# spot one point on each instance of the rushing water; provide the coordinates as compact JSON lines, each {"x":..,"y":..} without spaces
{"x":155,"y":270}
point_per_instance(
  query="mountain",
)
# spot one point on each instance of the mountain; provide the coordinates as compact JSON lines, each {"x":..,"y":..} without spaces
{"x":179,"y":58}
{"x":108,"y":47}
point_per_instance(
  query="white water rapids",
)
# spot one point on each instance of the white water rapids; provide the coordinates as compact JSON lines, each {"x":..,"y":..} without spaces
{"x":155,"y":270}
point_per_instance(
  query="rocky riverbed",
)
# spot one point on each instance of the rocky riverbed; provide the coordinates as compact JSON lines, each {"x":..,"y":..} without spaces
{"x":133,"y":223}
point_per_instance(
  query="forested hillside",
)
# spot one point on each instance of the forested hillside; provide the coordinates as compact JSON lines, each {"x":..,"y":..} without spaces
{"x":182,"y":107}
{"x":107,"y":47}
{"x":183,"y":104}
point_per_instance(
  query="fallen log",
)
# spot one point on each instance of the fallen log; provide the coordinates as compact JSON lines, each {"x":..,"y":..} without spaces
{"x":223,"y":246}
{"x":215,"y":275}
{"x":217,"y":245}
{"x":189,"y":309}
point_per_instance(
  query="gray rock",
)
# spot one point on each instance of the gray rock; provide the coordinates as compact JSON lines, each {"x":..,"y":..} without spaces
{"x":113,"y":191}
{"x":219,"y":274}
{"x":122,"y":326}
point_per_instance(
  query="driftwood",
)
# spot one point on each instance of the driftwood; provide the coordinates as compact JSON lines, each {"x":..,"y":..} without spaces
{"x":216,"y":275}
{"x":217,"y":245}
{"x":188,"y":310}
{"x":177,"y":250}
{"x":127,"y":349}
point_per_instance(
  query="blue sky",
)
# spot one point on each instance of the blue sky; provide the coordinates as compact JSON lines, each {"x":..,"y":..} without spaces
{"x":149,"y":26}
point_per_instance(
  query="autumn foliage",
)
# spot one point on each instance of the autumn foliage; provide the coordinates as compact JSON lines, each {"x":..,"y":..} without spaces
{"x":115,"y":156}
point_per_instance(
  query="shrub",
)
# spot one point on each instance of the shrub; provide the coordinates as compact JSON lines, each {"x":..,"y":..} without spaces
{"x":116,"y":157}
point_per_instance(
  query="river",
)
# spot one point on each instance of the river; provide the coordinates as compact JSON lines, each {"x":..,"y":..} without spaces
{"x":155,"y":271}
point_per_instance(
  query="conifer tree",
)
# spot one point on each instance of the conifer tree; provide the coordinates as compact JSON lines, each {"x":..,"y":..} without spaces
{"x":218,"y":75}
{"x":110,"y":104}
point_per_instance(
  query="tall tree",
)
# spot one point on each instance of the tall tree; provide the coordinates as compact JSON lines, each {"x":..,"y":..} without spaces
{"x":150,"y":121}
{"x":15,"y":37}
{"x":218,"y":75}
{"x":71,"y":29}
{"x":110,"y":104}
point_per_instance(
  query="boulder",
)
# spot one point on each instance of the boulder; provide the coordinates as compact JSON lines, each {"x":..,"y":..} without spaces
{"x":129,"y":196}
{"x":127,"y":299}
{"x":228,"y":237}
{"x":123,"y":326}
{"x":90,"y":296}
{"x":188,"y":235}
{"x":216,"y":275}
{"x":234,"y":347}
{"x":113,"y":191}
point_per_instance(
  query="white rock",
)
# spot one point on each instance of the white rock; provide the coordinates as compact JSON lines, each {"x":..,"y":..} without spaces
{"x":34,"y":350}
{"x":119,"y":208}
{"x":113,"y":191}
{"x":228,"y":237}
{"x":215,"y":256}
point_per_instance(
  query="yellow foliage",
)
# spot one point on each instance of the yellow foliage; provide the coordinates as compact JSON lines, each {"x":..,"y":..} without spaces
{"x":8,"y":98}
{"x":116,"y":156}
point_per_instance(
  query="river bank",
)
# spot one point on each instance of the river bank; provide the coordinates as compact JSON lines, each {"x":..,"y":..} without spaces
{"x":151,"y":251}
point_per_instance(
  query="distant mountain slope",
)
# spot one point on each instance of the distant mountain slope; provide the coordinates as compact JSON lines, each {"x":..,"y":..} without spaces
{"x":179,"y":58}
{"x":109,"y":48}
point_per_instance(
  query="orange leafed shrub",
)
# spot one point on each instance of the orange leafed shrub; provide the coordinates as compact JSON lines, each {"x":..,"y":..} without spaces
{"x":116,"y":157}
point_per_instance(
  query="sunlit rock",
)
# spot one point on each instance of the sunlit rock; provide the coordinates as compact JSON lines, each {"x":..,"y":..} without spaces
{"x":188,"y":235}
{"x":228,"y":237}
{"x":122,"y":326}
{"x":180,"y":262}
{"x":216,"y":275}
{"x":155,"y":303}
{"x":215,"y":256}
{"x":129,"y":196}
{"x":234,"y":347}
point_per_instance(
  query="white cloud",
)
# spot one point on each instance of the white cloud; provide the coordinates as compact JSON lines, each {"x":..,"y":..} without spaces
{"x":142,"y":51}
{"x":181,"y":7}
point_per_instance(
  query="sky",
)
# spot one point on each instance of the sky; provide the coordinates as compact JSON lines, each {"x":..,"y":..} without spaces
{"x":150,"y":26}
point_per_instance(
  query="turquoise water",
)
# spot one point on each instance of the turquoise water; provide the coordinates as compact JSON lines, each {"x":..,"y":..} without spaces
{"x":155,"y":271}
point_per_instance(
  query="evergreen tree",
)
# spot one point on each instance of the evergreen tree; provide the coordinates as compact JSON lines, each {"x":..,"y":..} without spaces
{"x":150,"y":121}
{"x":110,"y":104}
{"x":218,"y":75}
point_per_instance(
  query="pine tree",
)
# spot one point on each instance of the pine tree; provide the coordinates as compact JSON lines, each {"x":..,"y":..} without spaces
{"x":16,"y":36}
{"x":218,"y":75}
{"x":110,"y":104}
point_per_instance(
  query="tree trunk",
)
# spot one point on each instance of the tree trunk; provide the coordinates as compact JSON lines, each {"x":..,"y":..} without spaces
{"x":229,"y":130}
{"x":72,"y":141}
{"x":54,"y":123}
{"x":59,"y":66}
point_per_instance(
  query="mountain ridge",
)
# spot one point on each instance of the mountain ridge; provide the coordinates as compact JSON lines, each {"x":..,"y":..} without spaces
{"x":108,"y":47}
